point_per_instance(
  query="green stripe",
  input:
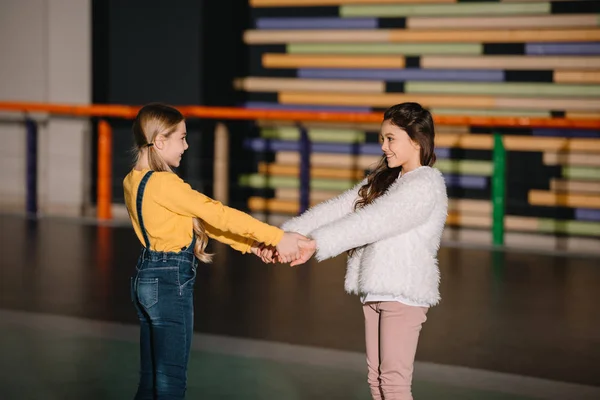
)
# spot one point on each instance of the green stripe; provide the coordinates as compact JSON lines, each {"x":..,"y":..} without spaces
{"x":315,"y":134}
{"x":386,"y":48}
{"x":516,"y":89}
{"x":584,"y":173}
{"x":490,"y":113}
{"x":258,"y":181}
{"x":569,"y":227}
{"x":465,"y":167}
{"x":444,"y":10}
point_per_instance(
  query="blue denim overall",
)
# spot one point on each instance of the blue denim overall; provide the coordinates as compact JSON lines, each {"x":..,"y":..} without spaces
{"x":162,"y":292}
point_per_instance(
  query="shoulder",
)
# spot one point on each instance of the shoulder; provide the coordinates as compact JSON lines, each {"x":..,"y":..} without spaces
{"x":423,"y":177}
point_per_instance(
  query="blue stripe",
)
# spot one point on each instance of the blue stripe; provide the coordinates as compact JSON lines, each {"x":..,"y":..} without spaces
{"x":400,"y":75}
{"x":568,"y":133}
{"x":260,"y":145}
{"x":586,"y":214}
{"x":316,"y":23}
{"x":302,"y":107}
{"x":581,"y":49}
{"x":465,"y":181}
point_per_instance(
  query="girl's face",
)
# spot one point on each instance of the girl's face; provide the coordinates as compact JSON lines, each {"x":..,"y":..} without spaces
{"x":172,"y":148}
{"x":398,"y":147}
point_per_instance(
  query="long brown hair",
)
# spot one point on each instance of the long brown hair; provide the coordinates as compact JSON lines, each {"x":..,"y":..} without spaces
{"x":159,"y":119}
{"x":418,"y":124}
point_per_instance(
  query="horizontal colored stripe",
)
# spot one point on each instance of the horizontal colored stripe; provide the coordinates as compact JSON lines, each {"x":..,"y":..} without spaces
{"x":330,"y":160}
{"x":259,"y":181}
{"x":385,"y":48}
{"x":322,"y":3}
{"x":339,"y":148}
{"x":584,"y":173}
{"x":587,"y":214}
{"x":583,"y":133}
{"x":569,"y":227}
{"x":443,"y":10}
{"x":303,"y":107}
{"x":315,"y":172}
{"x":315,"y":134}
{"x":546,"y":198}
{"x":562,"y":48}
{"x":316,"y":23}
{"x":577,"y":76}
{"x":470,"y":101}
{"x":412,"y":36}
{"x":271,"y":60}
{"x":506,"y":88}
{"x":572,"y":159}
{"x":510,"y":62}
{"x":517,"y":21}
{"x":511,"y":112}
{"x":465,"y":182}
{"x":465,"y":167}
{"x":575,"y":186}
{"x":262,"y":84}
{"x":400,"y":75}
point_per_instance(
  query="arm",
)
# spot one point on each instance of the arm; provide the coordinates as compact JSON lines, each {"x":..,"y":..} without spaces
{"x":178,"y":197}
{"x":236,"y":242}
{"x":407,"y":207}
{"x":324,"y":213}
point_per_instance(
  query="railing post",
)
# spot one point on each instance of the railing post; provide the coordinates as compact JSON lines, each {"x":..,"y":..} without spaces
{"x":31,"y":199}
{"x":221,"y":164}
{"x":305,"y":150}
{"x":498,"y":190}
{"x":104,"y":192}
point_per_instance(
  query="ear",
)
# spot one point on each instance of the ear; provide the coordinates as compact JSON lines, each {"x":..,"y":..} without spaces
{"x":159,"y":142}
{"x":415,"y":144}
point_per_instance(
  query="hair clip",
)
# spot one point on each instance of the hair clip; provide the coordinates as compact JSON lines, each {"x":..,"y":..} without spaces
{"x":150,"y":145}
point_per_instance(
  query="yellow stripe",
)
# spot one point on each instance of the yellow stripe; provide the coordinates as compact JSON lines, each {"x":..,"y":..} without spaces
{"x":323,"y":61}
{"x":544,"y":198}
{"x":259,"y":84}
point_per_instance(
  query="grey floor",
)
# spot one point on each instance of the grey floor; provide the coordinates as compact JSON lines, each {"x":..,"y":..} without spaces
{"x":510,"y":324}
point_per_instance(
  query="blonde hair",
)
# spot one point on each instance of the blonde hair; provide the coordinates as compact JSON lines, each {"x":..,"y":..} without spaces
{"x":151,"y":121}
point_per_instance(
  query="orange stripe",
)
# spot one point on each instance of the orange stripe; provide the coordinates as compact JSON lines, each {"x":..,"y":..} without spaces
{"x":544,"y":198}
{"x":229,"y":113}
{"x":577,"y":76}
{"x":324,"y":61}
{"x":294,"y":170}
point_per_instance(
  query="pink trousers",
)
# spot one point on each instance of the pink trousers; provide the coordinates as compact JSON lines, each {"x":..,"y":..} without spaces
{"x":391,"y":333}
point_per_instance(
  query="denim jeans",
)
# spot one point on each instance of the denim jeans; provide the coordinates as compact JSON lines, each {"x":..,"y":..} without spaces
{"x":162,"y":292}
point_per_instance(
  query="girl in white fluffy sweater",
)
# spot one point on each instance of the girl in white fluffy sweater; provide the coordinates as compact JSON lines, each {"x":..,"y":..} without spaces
{"x":391,"y":225}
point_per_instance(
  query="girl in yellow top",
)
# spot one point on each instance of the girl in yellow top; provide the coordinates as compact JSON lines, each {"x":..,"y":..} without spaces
{"x":173,"y":222}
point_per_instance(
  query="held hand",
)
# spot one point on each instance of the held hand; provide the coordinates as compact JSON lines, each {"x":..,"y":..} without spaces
{"x":307,"y":249}
{"x":262,"y":252}
{"x":287,"y":248}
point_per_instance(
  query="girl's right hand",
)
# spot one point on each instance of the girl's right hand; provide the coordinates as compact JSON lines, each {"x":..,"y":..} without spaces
{"x":287,"y":248}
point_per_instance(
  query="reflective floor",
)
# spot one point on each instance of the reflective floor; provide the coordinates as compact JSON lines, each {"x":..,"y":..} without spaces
{"x":527,"y":315}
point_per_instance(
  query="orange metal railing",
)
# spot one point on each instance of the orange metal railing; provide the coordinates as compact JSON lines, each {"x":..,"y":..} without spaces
{"x":104,"y":199}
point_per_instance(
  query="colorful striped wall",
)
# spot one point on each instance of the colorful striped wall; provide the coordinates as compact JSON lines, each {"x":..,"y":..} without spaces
{"x":492,"y":58}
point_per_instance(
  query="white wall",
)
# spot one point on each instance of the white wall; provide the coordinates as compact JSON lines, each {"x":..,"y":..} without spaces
{"x":45,"y":56}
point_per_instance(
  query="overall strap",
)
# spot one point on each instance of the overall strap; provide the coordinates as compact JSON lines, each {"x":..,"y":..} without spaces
{"x":140,"y":196}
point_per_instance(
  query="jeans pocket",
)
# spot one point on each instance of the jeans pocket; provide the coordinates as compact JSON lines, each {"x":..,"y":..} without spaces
{"x":147,"y":292}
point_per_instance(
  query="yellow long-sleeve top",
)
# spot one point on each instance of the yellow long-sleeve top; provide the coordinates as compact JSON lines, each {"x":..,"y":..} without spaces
{"x":169,"y":206}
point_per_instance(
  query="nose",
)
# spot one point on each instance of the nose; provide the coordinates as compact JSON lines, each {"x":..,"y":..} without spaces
{"x":384,"y":146}
{"x":185,"y":146}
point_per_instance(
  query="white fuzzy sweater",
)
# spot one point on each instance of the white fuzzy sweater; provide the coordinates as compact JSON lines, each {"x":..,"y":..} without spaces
{"x":397,"y":236}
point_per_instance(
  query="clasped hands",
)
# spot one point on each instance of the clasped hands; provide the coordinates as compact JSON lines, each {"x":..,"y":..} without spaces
{"x":293,"y":248}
